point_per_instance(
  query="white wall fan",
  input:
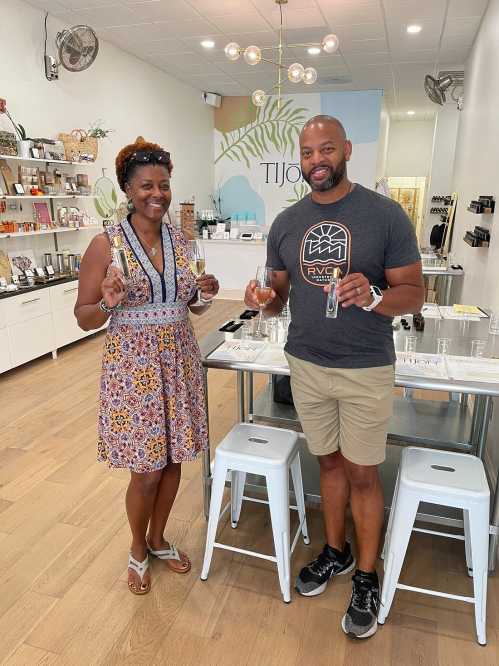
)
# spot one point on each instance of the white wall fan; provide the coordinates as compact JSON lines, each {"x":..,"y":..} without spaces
{"x":77,"y":48}
{"x":436,"y":88}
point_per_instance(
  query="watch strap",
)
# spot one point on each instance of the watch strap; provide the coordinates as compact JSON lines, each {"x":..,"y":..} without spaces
{"x":377,"y":298}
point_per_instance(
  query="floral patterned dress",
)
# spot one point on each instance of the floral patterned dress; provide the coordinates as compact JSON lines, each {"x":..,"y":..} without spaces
{"x":152,"y":404}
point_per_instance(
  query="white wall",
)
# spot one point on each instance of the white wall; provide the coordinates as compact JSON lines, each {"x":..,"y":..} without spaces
{"x":410,"y":145}
{"x":477,"y":162}
{"x":442,"y":165}
{"x":384,"y":134}
{"x":477,"y":172}
{"x":130,"y":96}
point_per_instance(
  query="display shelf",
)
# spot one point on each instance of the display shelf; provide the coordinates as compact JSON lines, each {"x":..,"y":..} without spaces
{"x":58,"y":230}
{"x":43,"y":160}
{"x":48,"y":196}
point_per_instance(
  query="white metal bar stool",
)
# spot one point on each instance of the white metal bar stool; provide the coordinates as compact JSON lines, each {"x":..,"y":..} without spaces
{"x":269,"y":452}
{"x":447,"y":479}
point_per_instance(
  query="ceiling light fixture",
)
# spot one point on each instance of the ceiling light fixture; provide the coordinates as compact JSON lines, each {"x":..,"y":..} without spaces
{"x":207,"y":43}
{"x":296,"y":72}
{"x":414,"y":29}
{"x":411,"y":113}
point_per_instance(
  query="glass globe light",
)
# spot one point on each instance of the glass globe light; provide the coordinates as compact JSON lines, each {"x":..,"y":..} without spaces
{"x":232,"y":51}
{"x":330,"y":43}
{"x":295,"y":72}
{"x":252,"y":55}
{"x":310,"y":75}
{"x":259,"y":97}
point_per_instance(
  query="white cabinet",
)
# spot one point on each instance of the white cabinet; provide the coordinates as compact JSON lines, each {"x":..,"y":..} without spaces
{"x":5,"y":358}
{"x":63,"y":298}
{"x":38,"y":322}
{"x":31,"y":339}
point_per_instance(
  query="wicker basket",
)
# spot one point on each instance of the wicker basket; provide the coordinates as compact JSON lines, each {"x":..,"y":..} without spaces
{"x":79,"y":147}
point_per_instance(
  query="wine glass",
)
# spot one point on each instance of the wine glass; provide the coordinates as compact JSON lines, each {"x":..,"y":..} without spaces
{"x":196,"y":263}
{"x":263,"y":292}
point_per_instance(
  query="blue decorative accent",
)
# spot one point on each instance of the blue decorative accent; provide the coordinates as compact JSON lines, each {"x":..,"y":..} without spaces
{"x":238,"y":196}
{"x":358,"y":110}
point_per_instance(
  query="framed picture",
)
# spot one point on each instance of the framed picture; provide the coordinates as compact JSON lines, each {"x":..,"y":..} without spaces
{"x":50,"y":270}
{"x":21,"y":260}
{"x":35,"y":153}
{"x":19,"y":189}
{"x":29,"y":273}
{"x":39,"y":271}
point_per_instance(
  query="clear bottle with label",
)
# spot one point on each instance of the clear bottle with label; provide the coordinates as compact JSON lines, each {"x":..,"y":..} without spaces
{"x":332,"y":297}
{"x":119,"y":257}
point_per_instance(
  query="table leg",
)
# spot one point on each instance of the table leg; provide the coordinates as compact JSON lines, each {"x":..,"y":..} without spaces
{"x":241,"y":406}
{"x":486,"y":411}
{"x":249,"y":395}
{"x":206,"y":455}
{"x":448,"y":286}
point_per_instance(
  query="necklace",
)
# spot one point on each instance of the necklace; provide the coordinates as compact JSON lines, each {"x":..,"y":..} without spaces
{"x":152,"y":250}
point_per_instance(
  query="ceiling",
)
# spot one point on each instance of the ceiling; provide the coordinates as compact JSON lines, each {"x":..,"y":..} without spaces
{"x":375,"y":49}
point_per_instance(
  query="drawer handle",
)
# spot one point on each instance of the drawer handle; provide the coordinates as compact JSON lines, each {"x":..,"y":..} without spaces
{"x":68,"y":291}
{"x":33,"y":300}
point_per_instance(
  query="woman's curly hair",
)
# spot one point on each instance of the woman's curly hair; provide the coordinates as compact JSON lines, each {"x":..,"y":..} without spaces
{"x":121,"y":160}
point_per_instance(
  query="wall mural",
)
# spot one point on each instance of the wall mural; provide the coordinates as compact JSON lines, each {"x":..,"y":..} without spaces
{"x":257,"y":164}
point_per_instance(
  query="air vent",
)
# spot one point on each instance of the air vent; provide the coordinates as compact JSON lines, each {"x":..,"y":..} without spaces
{"x":328,"y":80}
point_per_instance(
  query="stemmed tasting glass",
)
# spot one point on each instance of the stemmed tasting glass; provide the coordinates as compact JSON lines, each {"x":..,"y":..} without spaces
{"x":197,"y":263}
{"x":263,"y":293}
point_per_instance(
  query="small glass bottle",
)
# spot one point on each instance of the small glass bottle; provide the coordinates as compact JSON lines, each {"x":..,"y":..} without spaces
{"x":119,"y":257}
{"x":332,"y":298}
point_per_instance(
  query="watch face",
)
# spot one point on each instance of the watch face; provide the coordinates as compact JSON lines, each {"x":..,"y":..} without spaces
{"x":376,"y":290}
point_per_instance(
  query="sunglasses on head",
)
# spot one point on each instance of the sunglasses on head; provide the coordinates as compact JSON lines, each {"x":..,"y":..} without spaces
{"x":148,"y":157}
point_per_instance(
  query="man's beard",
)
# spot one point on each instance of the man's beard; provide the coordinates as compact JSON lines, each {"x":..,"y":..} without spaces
{"x":334,"y":179}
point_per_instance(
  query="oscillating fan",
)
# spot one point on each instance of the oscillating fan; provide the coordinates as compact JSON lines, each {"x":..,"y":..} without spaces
{"x":435,"y":88}
{"x":77,"y":49}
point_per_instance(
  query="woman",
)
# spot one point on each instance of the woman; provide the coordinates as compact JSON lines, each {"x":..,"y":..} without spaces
{"x":152,"y":407}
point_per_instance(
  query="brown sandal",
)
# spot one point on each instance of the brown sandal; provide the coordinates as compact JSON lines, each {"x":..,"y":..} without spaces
{"x":171,"y":556}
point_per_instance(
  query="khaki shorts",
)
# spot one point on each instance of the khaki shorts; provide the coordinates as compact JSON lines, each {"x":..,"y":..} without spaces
{"x":345,"y":409}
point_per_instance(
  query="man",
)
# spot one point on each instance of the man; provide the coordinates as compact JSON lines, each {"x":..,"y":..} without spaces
{"x":342,"y":369}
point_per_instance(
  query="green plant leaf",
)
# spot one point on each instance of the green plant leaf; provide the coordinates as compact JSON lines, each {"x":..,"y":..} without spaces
{"x":114,"y":196}
{"x":98,"y":208}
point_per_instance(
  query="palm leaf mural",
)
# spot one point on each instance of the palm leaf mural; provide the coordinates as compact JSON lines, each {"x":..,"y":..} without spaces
{"x":300,"y":190}
{"x":272,"y":127}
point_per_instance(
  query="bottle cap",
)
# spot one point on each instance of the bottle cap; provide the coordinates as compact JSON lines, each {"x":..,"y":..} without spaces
{"x":336,"y":273}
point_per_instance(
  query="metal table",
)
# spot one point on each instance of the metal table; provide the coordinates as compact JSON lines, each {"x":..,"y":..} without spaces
{"x":443,"y":424}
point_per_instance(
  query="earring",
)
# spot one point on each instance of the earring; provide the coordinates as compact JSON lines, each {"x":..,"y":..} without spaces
{"x":130,"y":206}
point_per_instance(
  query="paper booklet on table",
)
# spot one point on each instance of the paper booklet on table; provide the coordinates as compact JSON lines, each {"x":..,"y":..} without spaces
{"x":238,"y":350}
{"x":431,"y":311}
{"x":448,"y":312}
{"x":472,"y":369}
{"x":421,"y":365}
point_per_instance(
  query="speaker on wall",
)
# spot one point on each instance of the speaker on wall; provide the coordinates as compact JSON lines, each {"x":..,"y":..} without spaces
{"x":213,"y":99}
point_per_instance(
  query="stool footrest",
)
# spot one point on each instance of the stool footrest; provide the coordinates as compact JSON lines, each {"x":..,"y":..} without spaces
{"x":260,"y":501}
{"x":459,"y":537}
{"x":434,"y":593}
{"x":242,"y":551}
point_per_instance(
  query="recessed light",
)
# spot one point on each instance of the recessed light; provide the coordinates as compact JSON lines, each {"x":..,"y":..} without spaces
{"x":411,"y":113}
{"x":314,"y":50}
{"x":414,"y":29}
{"x":207,"y":43}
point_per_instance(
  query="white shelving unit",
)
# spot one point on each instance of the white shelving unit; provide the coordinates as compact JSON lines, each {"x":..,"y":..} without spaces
{"x":58,"y":230}
{"x":43,"y":160}
{"x":48,"y":196}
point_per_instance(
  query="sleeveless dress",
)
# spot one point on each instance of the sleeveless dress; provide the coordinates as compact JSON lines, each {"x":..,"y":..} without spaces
{"x":152,"y":402}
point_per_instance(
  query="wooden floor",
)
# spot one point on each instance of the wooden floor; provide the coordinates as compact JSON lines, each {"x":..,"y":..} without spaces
{"x":64,"y":540}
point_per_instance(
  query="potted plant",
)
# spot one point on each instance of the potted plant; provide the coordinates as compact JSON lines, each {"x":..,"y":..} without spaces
{"x":24,"y":144}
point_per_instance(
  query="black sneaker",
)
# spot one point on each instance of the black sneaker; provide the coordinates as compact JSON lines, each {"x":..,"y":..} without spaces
{"x":313,"y":578}
{"x":361,"y":618}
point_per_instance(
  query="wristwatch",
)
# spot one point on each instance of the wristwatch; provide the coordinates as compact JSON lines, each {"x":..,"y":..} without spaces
{"x":377,"y":295}
{"x":105,"y":308}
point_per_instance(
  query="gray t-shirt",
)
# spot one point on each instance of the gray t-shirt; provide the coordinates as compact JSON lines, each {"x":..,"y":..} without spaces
{"x":364,"y":232}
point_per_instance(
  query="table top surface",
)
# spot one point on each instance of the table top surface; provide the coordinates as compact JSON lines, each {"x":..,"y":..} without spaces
{"x":461,"y":334}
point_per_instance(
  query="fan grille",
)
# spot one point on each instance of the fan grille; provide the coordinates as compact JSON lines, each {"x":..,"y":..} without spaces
{"x":78,"y":48}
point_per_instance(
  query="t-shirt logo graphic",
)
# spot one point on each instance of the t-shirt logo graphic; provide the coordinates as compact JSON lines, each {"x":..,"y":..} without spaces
{"x":324,"y":246}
